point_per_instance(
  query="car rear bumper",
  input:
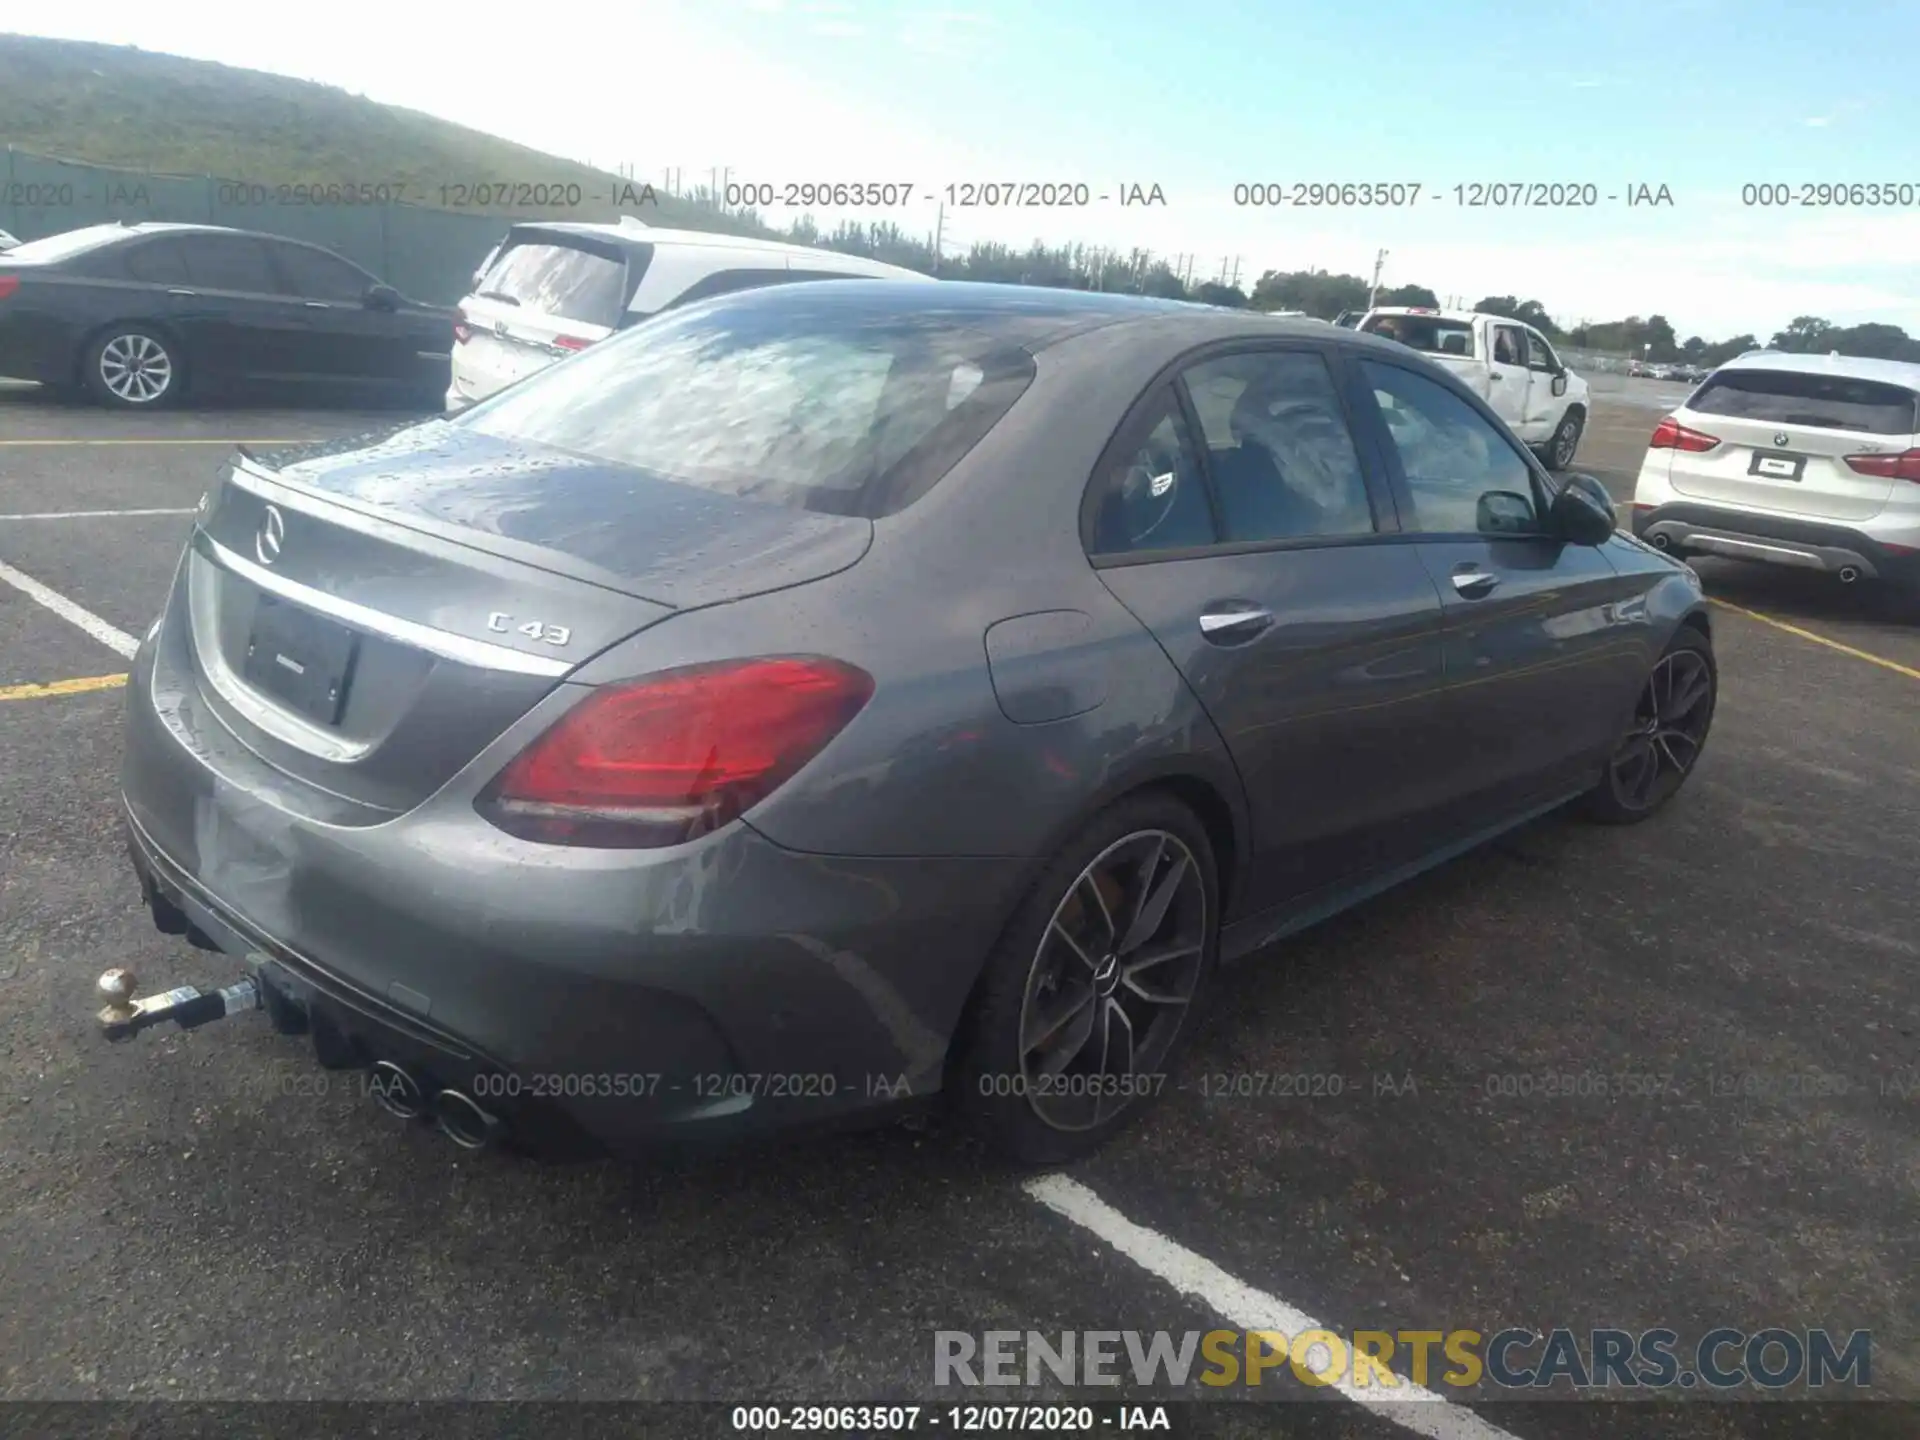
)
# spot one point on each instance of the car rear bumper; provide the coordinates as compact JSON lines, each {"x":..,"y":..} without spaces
{"x":717,"y":990}
{"x":1777,"y":540}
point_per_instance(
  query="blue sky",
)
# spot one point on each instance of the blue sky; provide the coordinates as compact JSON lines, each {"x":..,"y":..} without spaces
{"x":1699,"y":95}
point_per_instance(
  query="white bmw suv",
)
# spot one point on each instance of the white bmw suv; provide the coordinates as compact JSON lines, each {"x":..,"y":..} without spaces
{"x":1804,"y":460}
{"x":550,"y":289}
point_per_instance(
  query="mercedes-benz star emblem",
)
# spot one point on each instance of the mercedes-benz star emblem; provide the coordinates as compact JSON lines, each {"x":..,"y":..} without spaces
{"x":272,"y":535}
{"x":1780,"y":440}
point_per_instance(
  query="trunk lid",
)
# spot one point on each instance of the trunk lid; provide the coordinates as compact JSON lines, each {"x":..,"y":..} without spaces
{"x":368,"y":616}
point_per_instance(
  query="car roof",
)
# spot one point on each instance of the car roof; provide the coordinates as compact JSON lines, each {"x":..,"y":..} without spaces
{"x":1432,"y":313}
{"x":636,"y":235}
{"x":1859,"y":367}
{"x":1038,"y":316}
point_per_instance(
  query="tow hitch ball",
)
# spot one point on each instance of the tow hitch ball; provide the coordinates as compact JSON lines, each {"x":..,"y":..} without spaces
{"x":123,"y":1016}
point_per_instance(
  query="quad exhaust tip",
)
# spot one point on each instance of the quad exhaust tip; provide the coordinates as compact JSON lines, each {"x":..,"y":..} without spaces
{"x":1661,"y":541}
{"x":464,"y":1121}
{"x":397,"y":1092}
{"x":1849,"y":574}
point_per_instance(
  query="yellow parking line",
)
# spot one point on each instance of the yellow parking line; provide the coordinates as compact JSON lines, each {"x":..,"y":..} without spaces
{"x":61,"y":687}
{"x":1893,"y":665}
{"x":168,"y":440}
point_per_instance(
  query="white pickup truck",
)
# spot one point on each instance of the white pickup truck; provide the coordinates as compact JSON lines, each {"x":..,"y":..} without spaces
{"x":1509,"y":365}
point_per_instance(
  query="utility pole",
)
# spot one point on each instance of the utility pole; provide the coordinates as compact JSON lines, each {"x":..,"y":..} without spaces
{"x":939,"y":228}
{"x":1378,"y":261}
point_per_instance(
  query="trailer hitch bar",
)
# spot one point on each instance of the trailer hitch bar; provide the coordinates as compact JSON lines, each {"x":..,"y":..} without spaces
{"x":123,"y":1016}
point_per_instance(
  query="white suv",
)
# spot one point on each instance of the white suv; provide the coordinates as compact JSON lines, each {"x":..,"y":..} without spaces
{"x":1804,"y":460}
{"x":549,"y":289}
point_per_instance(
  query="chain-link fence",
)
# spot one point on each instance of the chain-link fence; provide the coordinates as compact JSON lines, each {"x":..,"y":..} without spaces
{"x":426,"y":253}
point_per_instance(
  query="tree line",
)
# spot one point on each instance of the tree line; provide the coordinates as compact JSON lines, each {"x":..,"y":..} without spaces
{"x":1316,"y":292}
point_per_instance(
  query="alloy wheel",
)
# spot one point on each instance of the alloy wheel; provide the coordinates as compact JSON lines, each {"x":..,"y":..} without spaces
{"x":1669,"y":727}
{"x":136,"y":368}
{"x":1565,"y":440}
{"x":1112,"y":979}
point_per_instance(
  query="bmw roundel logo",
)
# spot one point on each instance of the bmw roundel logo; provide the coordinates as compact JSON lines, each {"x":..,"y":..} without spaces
{"x":1780,"y":439}
{"x":271,"y":536}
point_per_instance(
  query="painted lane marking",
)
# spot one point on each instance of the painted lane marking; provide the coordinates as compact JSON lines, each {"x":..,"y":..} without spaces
{"x":1406,"y":1404}
{"x":62,"y":687}
{"x":114,"y":639}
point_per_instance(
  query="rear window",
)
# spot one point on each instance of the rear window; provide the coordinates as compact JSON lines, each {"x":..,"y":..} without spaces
{"x":68,"y":242}
{"x":568,"y":282}
{"x":781,"y":395}
{"x":1423,"y":332}
{"x":1795,"y":397}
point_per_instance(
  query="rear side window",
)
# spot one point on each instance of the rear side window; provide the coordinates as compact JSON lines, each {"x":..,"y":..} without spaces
{"x":1795,"y":397}
{"x":229,"y":262}
{"x":156,"y":262}
{"x":1428,"y":333}
{"x":801,"y":401}
{"x":565,"y":281}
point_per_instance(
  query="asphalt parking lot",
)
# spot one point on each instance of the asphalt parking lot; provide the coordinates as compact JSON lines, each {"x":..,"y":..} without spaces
{"x":203,"y":1216}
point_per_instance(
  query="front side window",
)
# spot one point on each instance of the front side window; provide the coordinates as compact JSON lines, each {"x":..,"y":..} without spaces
{"x":1283,"y":463}
{"x":1507,"y":347}
{"x":564,"y":281}
{"x":1463,"y":475}
{"x":798,"y":401}
{"x":1540,"y":355}
{"x":315,"y":275}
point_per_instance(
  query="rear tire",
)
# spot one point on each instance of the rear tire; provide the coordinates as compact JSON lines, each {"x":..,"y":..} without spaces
{"x":133,"y":367}
{"x":1079,"y":1017}
{"x":1663,"y":742}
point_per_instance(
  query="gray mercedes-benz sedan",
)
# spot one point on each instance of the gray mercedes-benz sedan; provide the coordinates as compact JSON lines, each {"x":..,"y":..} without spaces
{"x":831,"y":698}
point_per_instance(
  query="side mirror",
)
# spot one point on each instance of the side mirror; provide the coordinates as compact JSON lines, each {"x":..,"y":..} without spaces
{"x":1583,"y":512}
{"x":1560,"y":383}
{"x":1503,"y":512}
{"x":382,"y":297}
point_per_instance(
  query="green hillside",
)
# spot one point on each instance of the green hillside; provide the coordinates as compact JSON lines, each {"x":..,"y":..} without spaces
{"x":119,"y":106}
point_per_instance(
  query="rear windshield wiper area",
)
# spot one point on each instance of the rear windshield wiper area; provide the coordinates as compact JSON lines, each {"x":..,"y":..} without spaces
{"x":499,"y":295}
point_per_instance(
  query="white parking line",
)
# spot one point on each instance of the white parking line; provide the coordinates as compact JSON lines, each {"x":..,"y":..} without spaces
{"x":91,"y":514}
{"x":1407,"y":1405}
{"x":99,"y":629}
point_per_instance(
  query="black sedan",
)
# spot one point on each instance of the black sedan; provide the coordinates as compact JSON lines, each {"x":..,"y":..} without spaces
{"x":135,"y":315}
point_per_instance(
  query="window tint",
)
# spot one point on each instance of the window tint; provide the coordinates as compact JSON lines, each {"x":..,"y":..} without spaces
{"x":1423,"y":332}
{"x":1790,"y":397}
{"x":1151,"y":494}
{"x":800,"y":401}
{"x":156,"y":262}
{"x":228,"y":262}
{"x":1451,"y":455}
{"x":559,"y":280}
{"x":1540,"y":355}
{"x":1283,"y":464}
{"x":315,"y":275}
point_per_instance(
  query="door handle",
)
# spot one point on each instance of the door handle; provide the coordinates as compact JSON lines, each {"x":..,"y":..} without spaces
{"x":190,"y":294}
{"x":1494,"y":378}
{"x":1231,"y":621}
{"x":1472,"y":584}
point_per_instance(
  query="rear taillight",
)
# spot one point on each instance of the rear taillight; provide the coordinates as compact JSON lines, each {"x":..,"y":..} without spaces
{"x":462,"y":327}
{"x":8,"y":284}
{"x":665,"y":759}
{"x":570,"y":342}
{"x":1904,"y":466}
{"x":1670,"y":434}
